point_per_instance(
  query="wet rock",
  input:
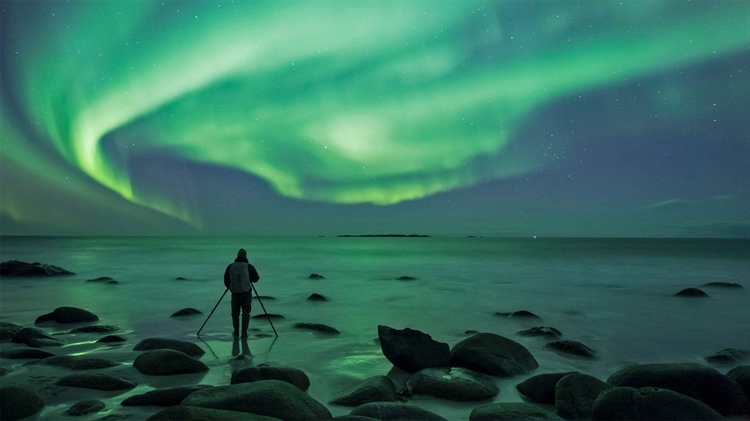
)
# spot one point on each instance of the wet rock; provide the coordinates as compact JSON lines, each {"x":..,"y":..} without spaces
{"x":94,"y":329}
{"x":412,"y":350}
{"x":452,"y":383}
{"x":729,"y":356}
{"x":391,"y":411}
{"x":9,"y":330}
{"x":78,"y":363}
{"x":406,"y":278}
{"x":112,"y":339}
{"x":273,"y":398}
{"x":373,"y":389}
{"x":691,"y":292}
{"x":541,"y":388}
{"x":316,"y":297}
{"x":180,"y":278}
{"x":16,"y":268}
{"x":36,"y":338}
{"x":272,"y":371}
{"x":703,"y":383}
{"x":186,"y":312}
{"x":163,"y":397}
{"x":575,"y":395}
{"x":17,"y":403}
{"x":626,"y":403}
{"x":5,"y":370}
{"x":521,"y":314}
{"x":86,"y":407}
{"x":511,"y":411}
{"x":167,"y":362}
{"x":317,"y":327}
{"x":191,"y":413}
{"x":96,"y":381}
{"x":316,"y":276}
{"x":268,"y":316}
{"x":723,"y":285}
{"x":68,"y":315}
{"x":102,"y":280}
{"x":185,"y":347}
{"x":493,"y":354}
{"x":26,"y":354}
{"x":547,"y":332}
{"x":571,"y":347}
{"x":741,"y":375}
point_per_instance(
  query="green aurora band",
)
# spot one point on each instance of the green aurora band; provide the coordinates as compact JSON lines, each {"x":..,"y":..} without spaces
{"x":344,"y":102}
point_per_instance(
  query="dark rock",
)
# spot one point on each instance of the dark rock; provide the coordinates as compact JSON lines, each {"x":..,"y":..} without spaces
{"x":471,"y":332}
{"x":273,"y":398}
{"x":694,"y":380}
{"x":36,"y":338}
{"x":272,"y":371}
{"x":391,"y":411}
{"x":188,"y":348}
{"x":112,"y":339}
{"x":493,"y":354}
{"x":78,"y":363}
{"x":167,"y":362}
{"x":521,"y":314}
{"x":96,"y":381}
{"x":541,"y":388}
{"x":192,"y":413}
{"x":86,"y":407}
{"x":571,"y":347}
{"x":94,"y":329}
{"x":102,"y":279}
{"x":180,"y":278}
{"x":406,"y":278}
{"x":186,"y":312}
{"x":26,"y":354}
{"x":316,"y":297}
{"x":5,"y":370}
{"x":511,"y":411}
{"x":729,"y":356}
{"x":626,"y":403}
{"x":373,"y":389}
{"x":723,"y":285}
{"x":17,"y":403}
{"x":741,"y":375}
{"x":575,"y":395}
{"x":68,"y":315}
{"x":163,"y":397}
{"x":452,"y":383}
{"x":268,"y":316}
{"x":316,"y":276}
{"x":317,"y":327}
{"x":547,"y":332}
{"x":9,"y":330}
{"x":691,"y":292}
{"x":13,"y":268}
{"x":412,"y":350}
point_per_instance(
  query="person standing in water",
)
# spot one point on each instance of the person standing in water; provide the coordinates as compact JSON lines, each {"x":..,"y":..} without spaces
{"x":237,"y":278}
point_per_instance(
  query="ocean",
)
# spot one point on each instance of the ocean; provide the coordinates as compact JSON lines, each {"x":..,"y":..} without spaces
{"x":616,"y":296}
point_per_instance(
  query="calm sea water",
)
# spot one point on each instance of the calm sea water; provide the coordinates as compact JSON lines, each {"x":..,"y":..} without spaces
{"x":614,"y":295}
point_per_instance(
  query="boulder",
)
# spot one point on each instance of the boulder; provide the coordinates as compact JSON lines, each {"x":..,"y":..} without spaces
{"x":273,"y":398}
{"x":36,"y":338}
{"x":316,"y":297}
{"x":373,"y":389}
{"x":86,"y":407}
{"x":626,"y":403}
{"x":102,"y":280}
{"x":5,"y":370}
{"x":96,"y":381}
{"x":571,"y":347}
{"x":112,"y":339}
{"x":541,"y":388}
{"x":521,"y":314}
{"x":493,"y":354}
{"x":163,"y":397}
{"x":741,"y":375}
{"x":412,"y":350}
{"x":729,"y":356}
{"x":186,"y":312}
{"x":26,"y":354}
{"x":181,"y":278}
{"x":94,"y":329}
{"x":452,"y":383}
{"x":694,"y":380}
{"x":315,"y":276}
{"x":406,"y":278}
{"x":547,"y":332}
{"x":511,"y":411}
{"x":15,"y":268}
{"x":17,"y":403}
{"x":317,"y":327}
{"x":723,"y":285}
{"x":9,"y":330}
{"x":691,"y":292}
{"x":268,"y":316}
{"x":191,"y":413}
{"x":167,"y":362}
{"x":575,"y":395}
{"x":391,"y":411}
{"x":272,"y":371}
{"x":185,"y":347}
{"x":78,"y":363}
{"x":68,"y":315}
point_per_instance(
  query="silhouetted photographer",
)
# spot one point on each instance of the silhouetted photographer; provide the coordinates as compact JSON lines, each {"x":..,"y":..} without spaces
{"x":237,"y":278}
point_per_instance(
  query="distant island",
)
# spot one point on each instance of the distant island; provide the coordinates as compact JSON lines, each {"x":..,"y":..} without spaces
{"x":384,"y":235}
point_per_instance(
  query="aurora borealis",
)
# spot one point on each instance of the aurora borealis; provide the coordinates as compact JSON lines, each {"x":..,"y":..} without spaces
{"x":566,"y":118}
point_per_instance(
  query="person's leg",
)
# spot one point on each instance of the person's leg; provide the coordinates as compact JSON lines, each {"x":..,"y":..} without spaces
{"x":246,"y":307}
{"x":236,"y":304}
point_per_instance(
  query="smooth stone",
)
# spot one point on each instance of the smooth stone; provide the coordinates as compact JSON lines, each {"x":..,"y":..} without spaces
{"x":112,"y":339}
{"x":273,"y":398}
{"x":268,"y":316}
{"x":729,"y":356}
{"x":9,"y":330}
{"x":36,"y":338}
{"x":373,"y":389}
{"x":67,"y":315}
{"x":16,"y":268}
{"x":18,"y":403}
{"x":185,"y":347}
{"x":101,"y":279}
{"x":452,"y":383}
{"x":96,"y":381}
{"x":572,"y":348}
{"x":5,"y":370}
{"x":86,"y":407}
{"x":741,"y":375}
{"x":412,"y":350}
{"x":26,"y":354}
{"x":192,"y":413}
{"x":94,"y":329}
{"x":391,"y":411}
{"x":167,"y":362}
{"x":163,"y":397}
{"x":575,"y":395}
{"x":272,"y":371}
{"x":406,"y":278}
{"x":316,"y":276}
{"x":180,"y":278}
{"x":694,"y":380}
{"x":723,"y":285}
{"x":493,"y":354}
{"x":541,"y":388}
{"x":521,"y":314}
{"x":78,"y":363}
{"x":627,"y":403}
{"x":545,"y":331}
{"x":317,"y":327}
{"x":316,"y":297}
{"x":186,"y":312}
{"x":511,"y":411}
{"x":691,"y":292}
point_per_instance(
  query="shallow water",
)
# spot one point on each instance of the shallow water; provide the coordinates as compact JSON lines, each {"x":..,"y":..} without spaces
{"x":614,"y":295}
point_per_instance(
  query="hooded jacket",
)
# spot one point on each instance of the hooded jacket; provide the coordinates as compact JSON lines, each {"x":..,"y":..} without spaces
{"x":238,"y":275}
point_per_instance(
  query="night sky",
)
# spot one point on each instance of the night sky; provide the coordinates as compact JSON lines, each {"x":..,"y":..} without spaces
{"x":506,"y":118}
